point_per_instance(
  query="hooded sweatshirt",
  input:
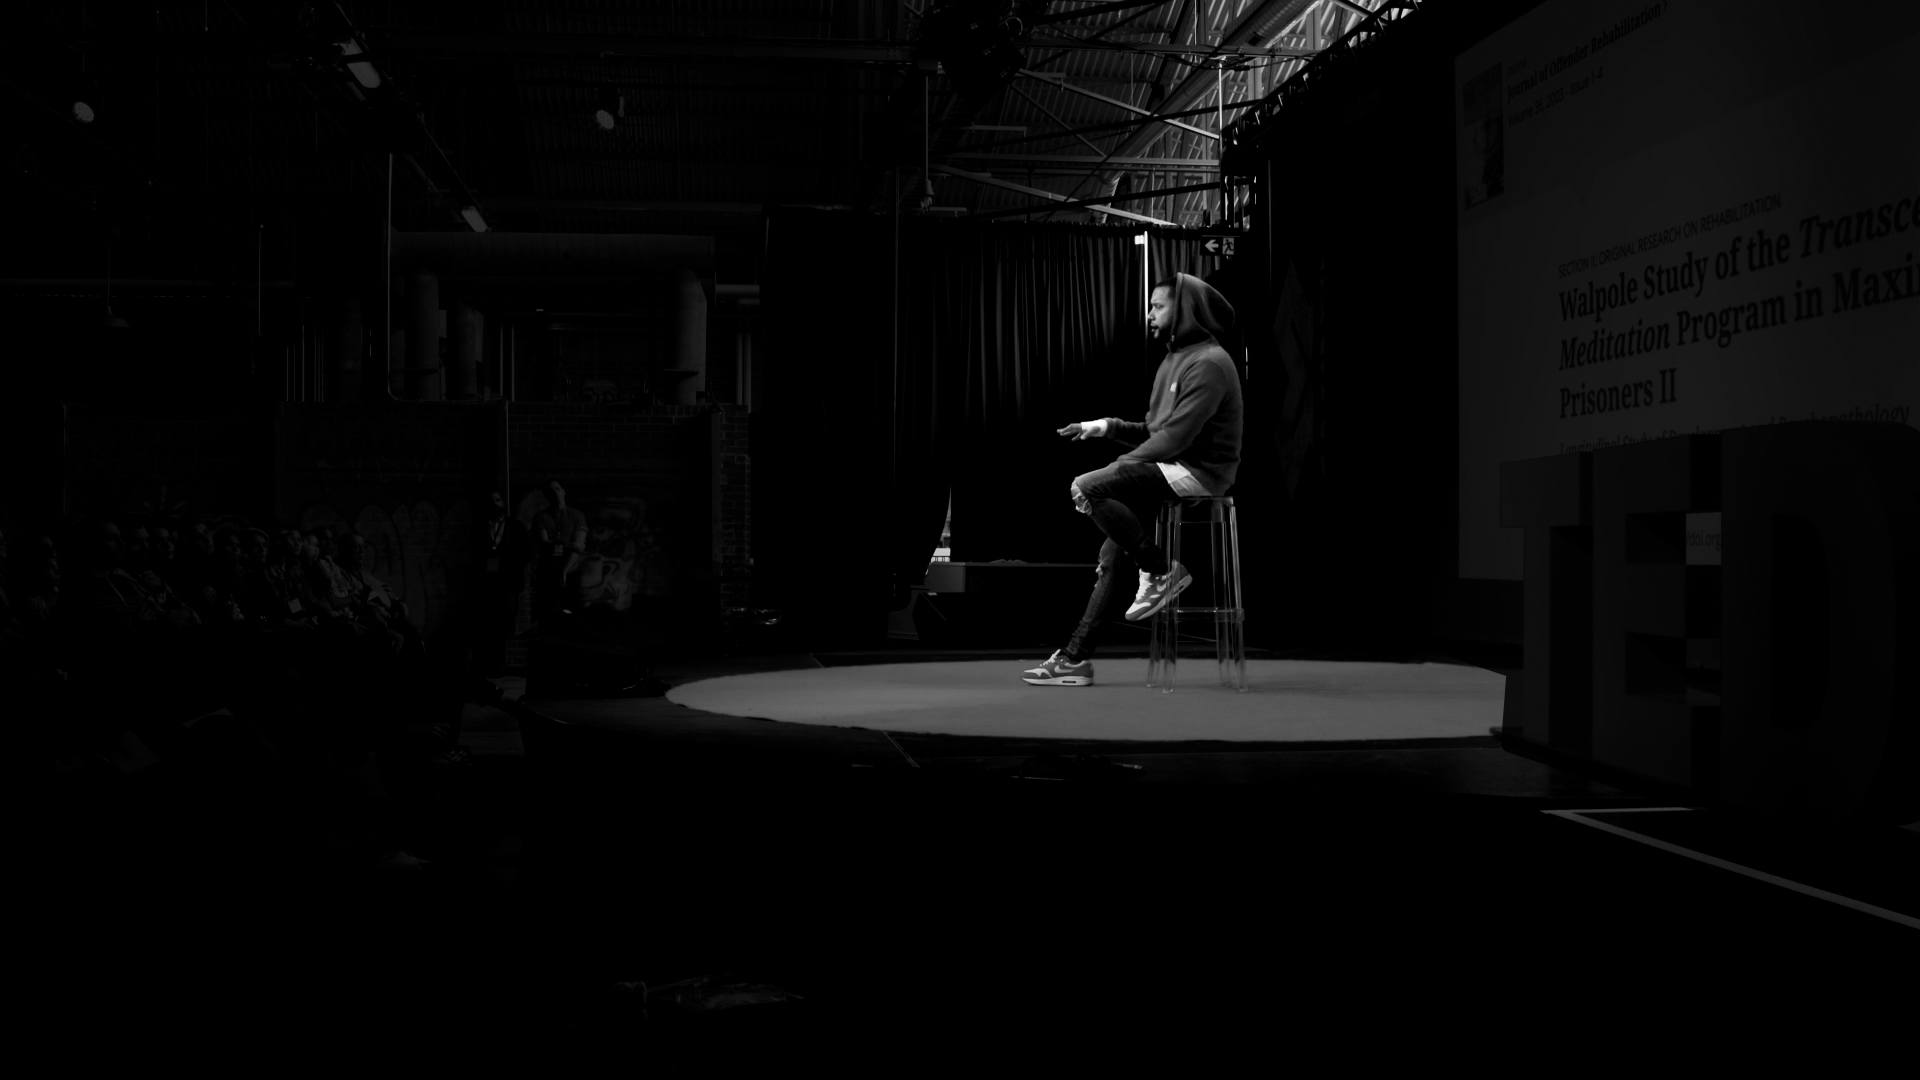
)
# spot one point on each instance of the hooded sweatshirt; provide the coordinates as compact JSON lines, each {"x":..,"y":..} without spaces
{"x":1194,"y":414}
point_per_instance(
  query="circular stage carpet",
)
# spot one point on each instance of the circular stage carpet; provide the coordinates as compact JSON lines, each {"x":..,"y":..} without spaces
{"x":1286,"y":701}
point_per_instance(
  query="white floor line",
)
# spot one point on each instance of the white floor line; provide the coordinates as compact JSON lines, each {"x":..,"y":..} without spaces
{"x":1758,"y":875}
{"x":903,"y":752}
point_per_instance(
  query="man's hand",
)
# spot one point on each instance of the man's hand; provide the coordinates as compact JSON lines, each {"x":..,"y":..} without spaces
{"x":1090,"y":429}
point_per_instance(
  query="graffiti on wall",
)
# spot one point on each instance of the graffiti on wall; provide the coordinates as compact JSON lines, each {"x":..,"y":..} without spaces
{"x":415,"y":550}
{"x":626,"y":558}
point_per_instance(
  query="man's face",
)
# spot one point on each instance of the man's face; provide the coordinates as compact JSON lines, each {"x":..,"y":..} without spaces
{"x":230,"y":546}
{"x":110,"y":548}
{"x":162,"y":545}
{"x":257,"y":548}
{"x":1160,"y":313}
{"x":202,"y":538}
{"x":137,"y":543}
{"x":499,"y":506}
{"x":559,"y":493}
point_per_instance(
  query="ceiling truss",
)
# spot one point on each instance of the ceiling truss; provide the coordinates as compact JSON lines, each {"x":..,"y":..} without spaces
{"x":1111,"y":111}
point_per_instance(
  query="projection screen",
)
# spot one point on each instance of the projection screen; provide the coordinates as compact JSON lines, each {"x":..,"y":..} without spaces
{"x":1680,"y":216}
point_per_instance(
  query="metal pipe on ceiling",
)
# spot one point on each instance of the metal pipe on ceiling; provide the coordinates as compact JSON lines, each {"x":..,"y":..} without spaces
{"x":1053,"y":78}
{"x":994,"y":181}
{"x":1096,"y":203}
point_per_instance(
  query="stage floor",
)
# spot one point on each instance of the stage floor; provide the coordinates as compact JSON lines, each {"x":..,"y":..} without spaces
{"x":1286,"y":701}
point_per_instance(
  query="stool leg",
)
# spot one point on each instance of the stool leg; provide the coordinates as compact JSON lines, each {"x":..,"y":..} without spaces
{"x":1239,"y":617}
{"x":1156,"y":628}
{"x":1169,"y":617}
{"x":1220,"y":596}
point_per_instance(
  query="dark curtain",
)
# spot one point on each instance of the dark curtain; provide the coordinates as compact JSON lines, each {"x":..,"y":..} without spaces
{"x":822,"y":429}
{"x":1030,"y":327}
{"x":1349,"y":469}
{"x":1026,"y":329}
{"x":1006,"y":332}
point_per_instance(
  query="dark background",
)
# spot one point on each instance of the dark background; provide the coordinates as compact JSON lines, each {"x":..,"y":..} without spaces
{"x":224,"y":200}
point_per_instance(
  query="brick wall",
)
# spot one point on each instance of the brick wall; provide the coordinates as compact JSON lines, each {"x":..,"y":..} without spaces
{"x":409,"y":476}
{"x":664,"y":488}
{"x":736,"y":506}
{"x":120,"y":459}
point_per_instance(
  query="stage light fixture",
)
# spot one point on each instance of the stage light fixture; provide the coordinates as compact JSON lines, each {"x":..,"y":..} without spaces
{"x":471,"y":214}
{"x":363,"y":72}
{"x":83,"y":112}
{"x":611,"y":109}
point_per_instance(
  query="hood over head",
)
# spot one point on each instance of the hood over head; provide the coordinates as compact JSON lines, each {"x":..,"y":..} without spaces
{"x":1199,"y":312}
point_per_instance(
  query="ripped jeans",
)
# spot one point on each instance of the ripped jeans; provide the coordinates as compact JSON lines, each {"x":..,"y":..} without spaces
{"x":1123,"y":499}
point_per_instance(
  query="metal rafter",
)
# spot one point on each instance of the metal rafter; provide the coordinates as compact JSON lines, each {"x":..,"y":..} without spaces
{"x":1097,"y":9}
{"x":1055,"y":79}
{"x":1173,"y":49}
{"x":1219,"y":34}
{"x":444,"y":41}
{"x":1057,"y":198}
{"x":1051,"y":115}
{"x":1117,"y":125}
{"x":1087,"y":159}
{"x":1198,"y":85}
{"x":1099,"y":203}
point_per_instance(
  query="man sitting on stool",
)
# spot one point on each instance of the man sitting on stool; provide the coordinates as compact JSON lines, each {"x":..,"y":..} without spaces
{"x":1189,"y":446}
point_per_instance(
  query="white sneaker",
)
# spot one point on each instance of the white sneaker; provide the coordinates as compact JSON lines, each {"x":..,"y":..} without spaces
{"x":1157,"y":592}
{"x":1057,"y":670}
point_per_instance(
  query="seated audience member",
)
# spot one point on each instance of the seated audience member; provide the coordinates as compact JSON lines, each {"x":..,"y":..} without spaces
{"x":101,"y":630}
{"x":186,"y":562}
{"x":28,"y":659}
{"x":196,"y":542}
{"x":138,"y":562}
{"x":102,"y":600}
{"x":163,"y":558}
{"x":218,"y":569}
{"x":228,"y":555}
{"x":364,"y":590}
{"x":250,"y":587}
{"x":34,"y":586}
{"x":329,"y":566}
{"x":368,"y":600}
{"x":559,"y":547}
{"x":296,"y":601}
{"x":317,"y":571}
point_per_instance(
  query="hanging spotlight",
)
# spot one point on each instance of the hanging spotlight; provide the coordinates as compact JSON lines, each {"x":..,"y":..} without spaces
{"x":363,"y":72}
{"x":611,"y":108}
{"x":85,"y":91}
{"x":471,"y":215}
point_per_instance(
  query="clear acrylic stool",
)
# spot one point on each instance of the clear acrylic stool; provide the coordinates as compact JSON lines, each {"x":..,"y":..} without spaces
{"x":1225,"y":602}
